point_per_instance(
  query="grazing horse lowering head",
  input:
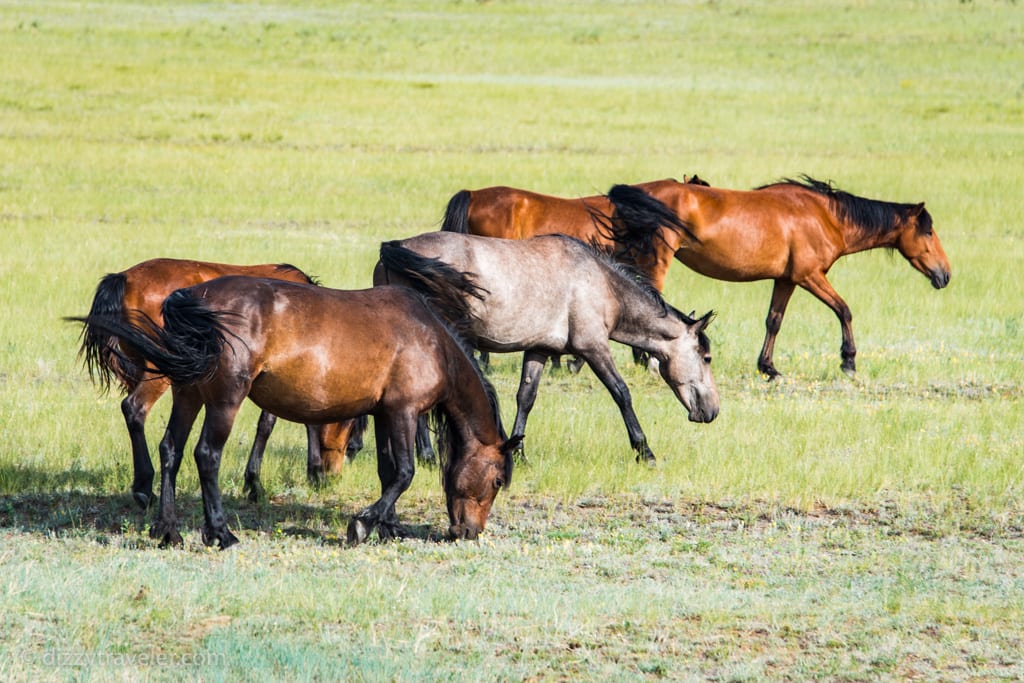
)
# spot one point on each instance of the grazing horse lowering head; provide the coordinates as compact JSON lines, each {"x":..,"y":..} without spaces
{"x":921,"y":247}
{"x":471,"y":486}
{"x":687,"y":370}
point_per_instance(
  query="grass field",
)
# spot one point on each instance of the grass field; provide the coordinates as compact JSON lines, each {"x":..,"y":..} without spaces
{"x":819,"y":529}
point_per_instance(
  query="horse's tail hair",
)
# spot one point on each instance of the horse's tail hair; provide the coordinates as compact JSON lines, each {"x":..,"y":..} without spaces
{"x":638,"y":218}
{"x":100,"y":348}
{"x":186,"y":349}
{"x":287,"y":267}
{"x":456,"y":214}
{"x":448,"y":290}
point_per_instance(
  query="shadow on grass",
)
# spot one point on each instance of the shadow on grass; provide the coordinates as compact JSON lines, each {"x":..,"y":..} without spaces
{"x":73,"y":502}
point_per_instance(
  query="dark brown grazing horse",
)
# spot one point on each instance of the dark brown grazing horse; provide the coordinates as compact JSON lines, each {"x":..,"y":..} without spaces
{"x":316,"y":355}
{"x":139,"y":291}
{"x":791,"y":232}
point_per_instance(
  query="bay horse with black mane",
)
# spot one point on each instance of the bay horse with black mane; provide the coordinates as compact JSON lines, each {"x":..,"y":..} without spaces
{"x":137,"y":293}
{"x":553,"y":295}
{"x":315,"y":355}
{"x":791,"y":232}
{"x":512,"y":213}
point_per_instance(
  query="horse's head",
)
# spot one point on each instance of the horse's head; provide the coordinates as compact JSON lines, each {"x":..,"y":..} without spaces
{"x":920,"y":245}
{"x":472,"y":483}
{"x":686,"y":367}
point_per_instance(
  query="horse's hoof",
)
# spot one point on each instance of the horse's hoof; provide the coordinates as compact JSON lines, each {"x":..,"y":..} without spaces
{"x":358,"y":531}
{"x":254,"y":491}
{"x":850,"y":372}
{"x":316,"y":477}
{"x":142,"y":498}
{"x":222,"y":537}
{"x":171,"y":539}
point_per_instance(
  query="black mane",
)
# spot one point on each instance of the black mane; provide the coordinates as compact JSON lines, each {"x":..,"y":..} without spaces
{"x":871,"y":215}
{"x":637,"y":279}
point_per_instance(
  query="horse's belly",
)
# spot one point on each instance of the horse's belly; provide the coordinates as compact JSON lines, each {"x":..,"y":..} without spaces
{"x":737,"y":266}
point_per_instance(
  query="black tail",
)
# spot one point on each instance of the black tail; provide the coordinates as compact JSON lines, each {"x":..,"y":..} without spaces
{"x":311,"y":279}
{"x":447,"y":289}
{"x":638,"y":218}
{"x":99,"y":347}
{"x":186,"y":349}
{"x":456,"y":215}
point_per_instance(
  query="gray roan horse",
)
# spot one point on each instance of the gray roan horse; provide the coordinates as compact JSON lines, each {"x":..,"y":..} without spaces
{"x":555,"y":295}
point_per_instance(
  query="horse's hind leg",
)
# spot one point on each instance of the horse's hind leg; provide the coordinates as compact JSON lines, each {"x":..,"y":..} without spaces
{"x":253,"y":486}
{"x":355,"y":439}
{"x":600,"y":360}
{"x":781,"y":292}
{"x":220,"y":417}
{"x":424,"y":449}
{"x":135,"y":407}
{"x":183,"y":414}
{"x":529,"y":384}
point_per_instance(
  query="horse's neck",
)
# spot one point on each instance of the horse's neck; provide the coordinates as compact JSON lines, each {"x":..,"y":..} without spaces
{"x":857,"y":239}
{"x":469,"y":406}
{"x":643,"y":324}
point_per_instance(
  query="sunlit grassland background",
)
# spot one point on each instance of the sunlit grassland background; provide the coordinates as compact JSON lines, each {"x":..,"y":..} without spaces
{"x":309,"y":132}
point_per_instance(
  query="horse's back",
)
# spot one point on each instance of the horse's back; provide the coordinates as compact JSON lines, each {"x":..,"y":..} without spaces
{"x":535,"y":287}
{"x":514,"y":213}
{"x":150,"y":282}
{"x":321,"y":354}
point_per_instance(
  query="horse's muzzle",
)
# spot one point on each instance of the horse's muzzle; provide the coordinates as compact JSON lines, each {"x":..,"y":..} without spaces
{"x":705,"y":414}
{"x":940,"y":278}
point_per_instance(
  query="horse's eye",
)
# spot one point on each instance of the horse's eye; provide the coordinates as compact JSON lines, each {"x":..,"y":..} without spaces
{"x":499,"y":483}
{"x":707,"y":359}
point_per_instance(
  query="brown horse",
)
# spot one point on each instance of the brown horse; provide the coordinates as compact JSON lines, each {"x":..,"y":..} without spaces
{"x":791,"y":232}
{"x":139,"y":291}
{"x":316,"y":355}
{"x":512,"y":213}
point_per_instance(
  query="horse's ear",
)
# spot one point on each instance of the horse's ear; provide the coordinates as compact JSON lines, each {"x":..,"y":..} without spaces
{"x":511,"y":444}
{"x":705,"y":321}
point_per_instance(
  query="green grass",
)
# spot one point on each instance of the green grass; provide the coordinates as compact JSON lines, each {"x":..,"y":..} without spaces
{"x":821,"y":528}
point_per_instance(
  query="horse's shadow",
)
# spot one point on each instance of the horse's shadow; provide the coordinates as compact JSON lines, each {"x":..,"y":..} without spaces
{"x":67,"y":503}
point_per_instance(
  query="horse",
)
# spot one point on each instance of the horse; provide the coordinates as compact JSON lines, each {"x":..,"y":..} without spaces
{"x":139,"y":291}
{"x":315,"y":355}
{"x":512,"y":213}
{"x":554,"y":295}
{"x":792,"y":232}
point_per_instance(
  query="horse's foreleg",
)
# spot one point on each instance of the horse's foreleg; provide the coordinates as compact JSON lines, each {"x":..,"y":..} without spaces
{"x":135,"y":407}
{"x":216,"y":429}
{"x":821,"y":288}
{"x":529,"y":383}
{"x":396,"y":436}
{"x":600,"y":361}
{"x":172,"y":447}
{"x":264,"y":427}
{"x":781,"y":293}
